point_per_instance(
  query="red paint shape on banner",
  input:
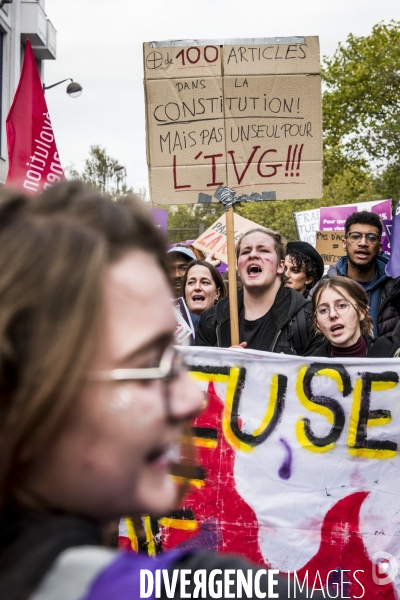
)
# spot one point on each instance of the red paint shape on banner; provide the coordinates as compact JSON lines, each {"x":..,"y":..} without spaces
{"x":342,"y":547}
{"x":33,"y":158}
{"x":228,"y":524}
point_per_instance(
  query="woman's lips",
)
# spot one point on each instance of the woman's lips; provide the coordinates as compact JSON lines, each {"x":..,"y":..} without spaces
{"x":163,"y":456}
{"x":337,"y":329}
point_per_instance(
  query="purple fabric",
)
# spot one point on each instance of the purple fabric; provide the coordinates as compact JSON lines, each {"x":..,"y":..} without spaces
{"x":384,"y":211}
{"x":393,"y":266}
{"x":332,"y":218}
{"x":121,"y":579}
{"x":387,"y":227}
{"x":160,"y":217}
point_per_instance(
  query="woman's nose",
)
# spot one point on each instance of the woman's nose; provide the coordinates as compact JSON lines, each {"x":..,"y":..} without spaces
{"x":186,"y":399}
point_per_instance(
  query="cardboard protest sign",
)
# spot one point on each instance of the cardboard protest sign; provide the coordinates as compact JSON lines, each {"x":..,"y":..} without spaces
{"x":241,"y":113}
{"x":307,"y":224}
{"x":329,"y":246}
{"x":297,"y":461}
{"x":213,"y":240}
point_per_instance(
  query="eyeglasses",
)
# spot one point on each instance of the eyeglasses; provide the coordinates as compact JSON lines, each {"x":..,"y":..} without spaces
{"x":171,"y":366}
{"x":341,"y":307}
{"x":356,"y":236}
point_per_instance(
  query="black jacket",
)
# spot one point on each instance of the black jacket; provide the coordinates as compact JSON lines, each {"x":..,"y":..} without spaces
{"x":291,"y":316}
{"x":381,"y":347}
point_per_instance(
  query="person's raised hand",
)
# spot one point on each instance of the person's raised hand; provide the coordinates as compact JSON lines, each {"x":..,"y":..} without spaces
{"x":210,"y":258}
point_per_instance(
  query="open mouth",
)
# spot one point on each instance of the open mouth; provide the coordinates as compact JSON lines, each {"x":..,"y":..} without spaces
{"x":198,"y":298}
{"x":163,"y":455}
{"x":362,"y":254}
{"x":253,"y":269}
{"x":336,"y":328}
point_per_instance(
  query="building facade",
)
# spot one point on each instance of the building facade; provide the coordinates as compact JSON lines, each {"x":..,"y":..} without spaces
{"x":20,"y":20}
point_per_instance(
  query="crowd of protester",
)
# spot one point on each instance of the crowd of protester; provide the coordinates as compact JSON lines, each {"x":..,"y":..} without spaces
{"x":286,"y":303}
{"x":94,"y":398}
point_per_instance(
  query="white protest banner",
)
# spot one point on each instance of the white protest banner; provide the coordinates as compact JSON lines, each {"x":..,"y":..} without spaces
{"x":298,"y":462}
{"x":307,"y":224}
{"x":213,"y":239}
{"x":239,"y":113}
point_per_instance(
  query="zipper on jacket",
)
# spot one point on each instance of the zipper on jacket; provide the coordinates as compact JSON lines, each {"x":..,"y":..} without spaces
{"x":218,"y":336}
{"x":278,"y":333}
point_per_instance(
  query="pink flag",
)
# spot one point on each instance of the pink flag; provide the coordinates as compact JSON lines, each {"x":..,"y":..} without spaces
{"x":32,"y":152}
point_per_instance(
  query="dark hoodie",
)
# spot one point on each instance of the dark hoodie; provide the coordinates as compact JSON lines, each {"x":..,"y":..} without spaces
{"x":383,"y":294}
{"x":290,"y":315}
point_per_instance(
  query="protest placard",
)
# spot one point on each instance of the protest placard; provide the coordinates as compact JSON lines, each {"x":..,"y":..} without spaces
{"x":332,"y":218}
{"x":184,"y":331}
{"x":213,"y":240}
{"x":297,"y":461}
{"x":307,"y":224}
{"x":239,"y":113}
{"x":329,"y":246}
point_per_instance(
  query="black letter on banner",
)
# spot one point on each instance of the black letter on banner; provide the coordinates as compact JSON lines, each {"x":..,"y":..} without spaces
{"x":248,"y":438}
{"x":333,"y":405}
{"x":367,"y":415}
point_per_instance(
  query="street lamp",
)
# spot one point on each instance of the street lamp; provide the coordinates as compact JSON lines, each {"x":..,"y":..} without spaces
{"x":120,"y":173}
{"x":74,"y":89}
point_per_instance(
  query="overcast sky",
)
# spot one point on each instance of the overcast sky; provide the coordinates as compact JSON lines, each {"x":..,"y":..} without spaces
{"x":99,"y":44}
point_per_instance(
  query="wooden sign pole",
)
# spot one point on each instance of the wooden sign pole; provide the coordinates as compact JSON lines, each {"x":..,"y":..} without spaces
{"x":233,"y":304}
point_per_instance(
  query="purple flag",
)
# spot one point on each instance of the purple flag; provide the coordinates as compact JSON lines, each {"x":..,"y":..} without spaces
{"x":393,"y":266}
{"x":160,"y":217}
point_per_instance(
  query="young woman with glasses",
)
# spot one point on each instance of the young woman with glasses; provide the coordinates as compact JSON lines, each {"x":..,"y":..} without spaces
{"x":93,"y":397}
{"x":341,"y":315}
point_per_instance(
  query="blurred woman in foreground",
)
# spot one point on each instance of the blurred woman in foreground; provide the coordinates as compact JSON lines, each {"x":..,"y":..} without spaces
{"x":93,"y":396}
{"x":341,"y":315}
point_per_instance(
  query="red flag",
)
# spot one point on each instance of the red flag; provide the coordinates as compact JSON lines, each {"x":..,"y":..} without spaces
{"x":32,"y":152}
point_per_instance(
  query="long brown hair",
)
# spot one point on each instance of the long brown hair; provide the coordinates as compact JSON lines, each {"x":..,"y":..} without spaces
{"x":54,"y":249}
{"x":351,"y":291}
{"x":216,"y":277}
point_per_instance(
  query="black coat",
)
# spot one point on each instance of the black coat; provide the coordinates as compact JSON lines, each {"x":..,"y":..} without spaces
{"x":291,"y":317}
{"x":381,"y":347}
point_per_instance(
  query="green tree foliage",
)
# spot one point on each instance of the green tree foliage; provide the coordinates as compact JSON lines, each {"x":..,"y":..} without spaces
{"x":184,"y":220}
{"x":99,"y":172}
{"x":361,"y":103}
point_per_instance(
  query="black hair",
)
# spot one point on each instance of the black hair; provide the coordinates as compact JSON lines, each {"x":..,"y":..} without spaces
{"x":301,"y":261}
{"x":364,"y":217}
